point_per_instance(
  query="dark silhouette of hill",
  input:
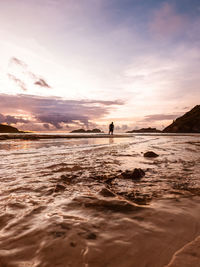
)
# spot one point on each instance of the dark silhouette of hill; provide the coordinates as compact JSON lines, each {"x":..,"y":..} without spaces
{"x":145,"y":130}
{"x":86,"y":131}
{"x":188,"y":123}
{"x":8,"y":129}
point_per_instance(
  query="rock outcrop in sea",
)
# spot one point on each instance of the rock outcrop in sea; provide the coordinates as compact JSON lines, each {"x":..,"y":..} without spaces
{"x":86,"y":131}
{"x":145,"y":130}
{"x":8,"y":129}
{"x":188,"y":123}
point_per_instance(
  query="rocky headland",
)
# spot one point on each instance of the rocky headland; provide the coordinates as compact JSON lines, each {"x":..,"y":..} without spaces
{"x":8,"y":129}
{"x":188,"y":123}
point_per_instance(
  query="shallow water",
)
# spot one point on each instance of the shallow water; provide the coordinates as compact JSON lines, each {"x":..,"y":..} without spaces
{"x":53,"y":213}
{"x":40,"y":163}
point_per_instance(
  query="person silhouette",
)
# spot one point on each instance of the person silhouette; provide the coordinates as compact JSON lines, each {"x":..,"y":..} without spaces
{"x":111,"y":128}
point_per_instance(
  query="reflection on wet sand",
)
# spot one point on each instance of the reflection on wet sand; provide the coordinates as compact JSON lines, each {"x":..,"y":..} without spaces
{"x":66,"y":202}
{"x":111,"y":140}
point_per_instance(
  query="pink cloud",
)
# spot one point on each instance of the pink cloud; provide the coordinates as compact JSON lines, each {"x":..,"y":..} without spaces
{"x":42,"y":83}
{"x":167,"y":23}
{"x":17,"y":61}
{"x":20,"y":83}
{"x":20,"y":67}
{"x":52,"y":113}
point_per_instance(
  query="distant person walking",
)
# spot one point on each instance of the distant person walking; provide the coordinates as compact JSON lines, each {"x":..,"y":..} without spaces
{"x":111,"y":128}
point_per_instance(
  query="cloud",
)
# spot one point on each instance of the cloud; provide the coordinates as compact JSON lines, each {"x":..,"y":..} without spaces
{"x":46,"y":126}
{"x":17,"y":81}
{"x":160,"y":117}
{"x":16,"y":61}
{"x":56,"y":119}
{"x":56,"y":112}
{"x":123,"y":127}
{"x":42,"y":83}
{"x":20,"y":68}
{"x":11,"y":119}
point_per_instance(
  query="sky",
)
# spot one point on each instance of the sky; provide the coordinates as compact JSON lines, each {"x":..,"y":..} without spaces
{"x":69,"y":64}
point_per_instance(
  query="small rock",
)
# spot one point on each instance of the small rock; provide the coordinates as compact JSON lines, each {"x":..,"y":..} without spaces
{"x":135,"y":174}
{"x":50,"y":191}
{"x":109,"y":180}
{"x":106,"y":192}
{"x":91,"y":236}
{"x":66,"y":178}
{"x":76,"y":168}
{"x":59,"y":187}
{"x":150,"y":154}
{"x":73,"y":244}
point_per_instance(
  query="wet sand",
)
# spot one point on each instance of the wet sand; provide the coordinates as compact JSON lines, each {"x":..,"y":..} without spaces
{"x":35,"y":136}
{"x":187,"y":256}
{"x":67,"y":203}
{"x":38,"y":136}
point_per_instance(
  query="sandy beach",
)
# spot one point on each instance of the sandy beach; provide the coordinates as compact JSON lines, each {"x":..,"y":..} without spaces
{"x":68,"y":202}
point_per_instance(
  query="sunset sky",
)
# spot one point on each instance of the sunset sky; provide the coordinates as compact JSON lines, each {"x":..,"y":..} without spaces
{"x":68,"y":64}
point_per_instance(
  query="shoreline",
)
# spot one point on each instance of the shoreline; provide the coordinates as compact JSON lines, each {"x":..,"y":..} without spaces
{"x":38,"y":136}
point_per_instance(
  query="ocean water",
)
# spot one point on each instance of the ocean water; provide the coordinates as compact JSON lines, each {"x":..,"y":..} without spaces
{"x":53,"y":213}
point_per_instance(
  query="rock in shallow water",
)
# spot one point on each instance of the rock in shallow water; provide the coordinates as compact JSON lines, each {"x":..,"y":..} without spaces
{"x":105,"y":192}
{"x":150,"y":154}
{"x":136,"y":174}
{"x":103,"y":205}
{"x":59,"y":187}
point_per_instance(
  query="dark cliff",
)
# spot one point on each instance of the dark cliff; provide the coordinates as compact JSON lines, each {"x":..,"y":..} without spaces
{"x":8,"y":129}
{"x":188,"y":123}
